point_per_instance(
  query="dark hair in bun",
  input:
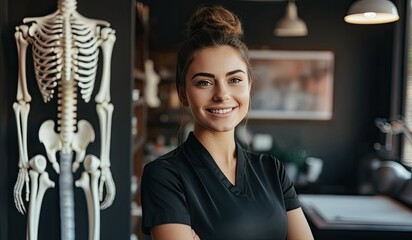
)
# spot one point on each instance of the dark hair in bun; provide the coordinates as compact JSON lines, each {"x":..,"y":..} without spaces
{"x":209,"y":27}
{"x":215,"y":19}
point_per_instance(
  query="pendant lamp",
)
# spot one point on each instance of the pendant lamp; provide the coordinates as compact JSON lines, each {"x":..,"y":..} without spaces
{"x":291,"y":25}
{"x":372,"y":12}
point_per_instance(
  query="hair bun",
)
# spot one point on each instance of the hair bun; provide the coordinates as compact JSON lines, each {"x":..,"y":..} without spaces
{"x":216,"y":18}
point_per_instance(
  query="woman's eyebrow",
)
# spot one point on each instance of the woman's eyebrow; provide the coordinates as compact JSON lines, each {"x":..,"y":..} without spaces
{"x":204,"y":75}
{"x":235,"y":71}
{"x":213,"y":76}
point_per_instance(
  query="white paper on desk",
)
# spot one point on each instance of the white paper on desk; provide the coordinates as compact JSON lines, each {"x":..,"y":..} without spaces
{"x":354,"y":209}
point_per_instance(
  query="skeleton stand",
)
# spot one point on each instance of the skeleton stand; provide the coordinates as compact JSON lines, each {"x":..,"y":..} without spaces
{"x":65,"y":48}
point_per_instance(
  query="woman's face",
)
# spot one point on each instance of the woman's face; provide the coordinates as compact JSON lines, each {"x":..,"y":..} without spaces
{"x":217,"y":89}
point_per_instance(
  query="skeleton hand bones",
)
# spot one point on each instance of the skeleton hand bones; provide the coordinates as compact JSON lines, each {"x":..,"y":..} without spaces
{"x":106,"y":179}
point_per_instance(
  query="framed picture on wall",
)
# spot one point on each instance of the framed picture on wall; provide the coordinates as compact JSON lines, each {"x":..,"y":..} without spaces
{"x":292,"y":84}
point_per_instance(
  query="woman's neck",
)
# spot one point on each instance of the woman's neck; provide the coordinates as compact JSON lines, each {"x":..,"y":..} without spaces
{"x":221,"y":145}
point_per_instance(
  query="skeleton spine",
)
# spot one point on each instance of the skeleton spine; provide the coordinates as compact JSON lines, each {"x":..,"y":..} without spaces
{"x":67,"y":128}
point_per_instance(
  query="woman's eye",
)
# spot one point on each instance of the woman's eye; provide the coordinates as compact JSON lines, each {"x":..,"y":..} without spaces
{"x":203,"y":83}
{"x":235,"y":80}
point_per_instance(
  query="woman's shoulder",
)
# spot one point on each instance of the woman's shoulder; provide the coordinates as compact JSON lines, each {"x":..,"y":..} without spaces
{"x":259,"y":155}
{"x":166,"y":159}
{"x":160,"y":172}
{"x":168,"y":162}
{"x":261,"y":158}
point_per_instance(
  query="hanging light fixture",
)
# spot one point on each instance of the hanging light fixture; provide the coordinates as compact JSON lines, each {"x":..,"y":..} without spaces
{"x":291,"y":25}
{"x":372,"y":12}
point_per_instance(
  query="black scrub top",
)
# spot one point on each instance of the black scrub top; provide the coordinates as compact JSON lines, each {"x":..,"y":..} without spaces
{"x":186,"y":186}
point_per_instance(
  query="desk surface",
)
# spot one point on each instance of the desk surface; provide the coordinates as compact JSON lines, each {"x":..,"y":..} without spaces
{"x":356,"y":212}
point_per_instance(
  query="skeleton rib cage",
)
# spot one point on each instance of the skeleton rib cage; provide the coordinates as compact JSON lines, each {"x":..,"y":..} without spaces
{"x":60,"y":60}
{"x":76,"y":57}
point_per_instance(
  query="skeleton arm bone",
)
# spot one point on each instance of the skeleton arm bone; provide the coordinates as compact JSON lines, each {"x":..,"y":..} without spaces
{"x":105,"y":112}
{"x":107,"y":180}
{"x":22,"y":43}
{"x":21,"y":110}
{"x":107,"y":47}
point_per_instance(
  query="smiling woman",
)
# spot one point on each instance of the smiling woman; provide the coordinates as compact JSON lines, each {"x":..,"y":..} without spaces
{"x":217,"y":92}
{"x":210,"y":187}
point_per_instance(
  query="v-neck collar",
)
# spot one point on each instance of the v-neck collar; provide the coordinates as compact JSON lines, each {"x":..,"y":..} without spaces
{"x":199,"y":153}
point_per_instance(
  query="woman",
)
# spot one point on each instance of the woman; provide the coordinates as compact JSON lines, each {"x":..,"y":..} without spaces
{"x":210,"y":187}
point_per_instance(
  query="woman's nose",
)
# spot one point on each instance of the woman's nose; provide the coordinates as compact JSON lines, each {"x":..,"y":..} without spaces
{"x":221,"y":93}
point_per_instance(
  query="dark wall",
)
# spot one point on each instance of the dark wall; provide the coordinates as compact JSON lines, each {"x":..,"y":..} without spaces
{"x":115,"y":221}
{"x":362,"y":78}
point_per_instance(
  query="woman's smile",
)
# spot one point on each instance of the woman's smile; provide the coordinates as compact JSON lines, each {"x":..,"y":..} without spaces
{"x":221,"y":111}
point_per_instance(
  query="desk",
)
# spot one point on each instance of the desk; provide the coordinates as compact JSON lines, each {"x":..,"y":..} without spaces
{"x":357,"y":217}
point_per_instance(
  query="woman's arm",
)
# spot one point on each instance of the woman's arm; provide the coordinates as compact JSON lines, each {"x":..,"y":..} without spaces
{"x":298,"y":227}
{"x":173,"y":231}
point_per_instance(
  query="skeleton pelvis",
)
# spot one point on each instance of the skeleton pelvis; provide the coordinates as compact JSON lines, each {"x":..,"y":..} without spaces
{"x":72,"y":141}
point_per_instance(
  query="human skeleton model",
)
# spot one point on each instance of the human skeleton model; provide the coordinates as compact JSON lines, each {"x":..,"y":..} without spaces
{"x":65,"y":47}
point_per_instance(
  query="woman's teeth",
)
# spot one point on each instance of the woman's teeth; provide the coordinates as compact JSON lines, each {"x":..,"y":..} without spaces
{"x":221,"y":111}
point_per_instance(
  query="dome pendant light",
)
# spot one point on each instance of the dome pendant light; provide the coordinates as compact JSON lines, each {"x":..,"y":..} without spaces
{"x":372,"y":12}
{"x":290,"y":25}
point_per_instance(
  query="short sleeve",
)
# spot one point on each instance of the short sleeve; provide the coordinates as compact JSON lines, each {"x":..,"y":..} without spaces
{"x":162,"y":196}
{"x":289,"y":193}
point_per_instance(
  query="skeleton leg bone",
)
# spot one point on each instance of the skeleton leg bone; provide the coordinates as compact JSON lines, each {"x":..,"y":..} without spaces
{"x":45,"y":183}
{"x":31,"y":224}
{"x":39,"y":186}
{"x":90,"y":188}
{"x":95,"y":175}
{"x":84,"y":183}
